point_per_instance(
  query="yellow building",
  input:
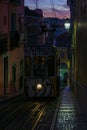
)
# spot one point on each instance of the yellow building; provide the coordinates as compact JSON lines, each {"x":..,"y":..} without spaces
{"x":79,"y":56}
{"x":64,"y":47}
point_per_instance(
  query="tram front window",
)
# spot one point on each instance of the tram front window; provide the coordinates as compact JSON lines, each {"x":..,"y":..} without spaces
{"x":39,"y":66}
{"x":51,"y":65}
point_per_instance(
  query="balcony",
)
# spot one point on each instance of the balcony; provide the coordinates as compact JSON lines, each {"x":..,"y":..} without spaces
{"x":14,"y":39}
{"x":3,"y":43}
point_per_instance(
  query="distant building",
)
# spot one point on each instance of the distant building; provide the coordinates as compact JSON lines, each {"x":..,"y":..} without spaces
{"x":63,"y":40}
{"x":63,"y":44}
{"x":33,"y":22}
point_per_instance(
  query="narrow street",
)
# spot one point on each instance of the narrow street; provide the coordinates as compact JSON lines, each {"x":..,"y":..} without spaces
{"x":24,"y":114}
{"x":43,"y":75}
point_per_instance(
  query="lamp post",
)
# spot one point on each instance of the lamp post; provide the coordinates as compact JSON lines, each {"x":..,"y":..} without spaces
{"x":67,"y":24}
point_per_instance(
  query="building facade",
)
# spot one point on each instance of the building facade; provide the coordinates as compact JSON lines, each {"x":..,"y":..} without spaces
{"x":63,"y":43}
{"x":11,"y":46}
{"x":79,"y":53}
{"x":33,"y":23}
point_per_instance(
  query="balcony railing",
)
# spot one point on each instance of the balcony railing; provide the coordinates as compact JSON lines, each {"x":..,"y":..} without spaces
{"x":14,"y":39}
{"x":3,"y":43}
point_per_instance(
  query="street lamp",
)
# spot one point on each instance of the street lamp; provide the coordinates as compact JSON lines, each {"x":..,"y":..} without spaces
{"x":67,"y":24}
{"x":69,"y":34}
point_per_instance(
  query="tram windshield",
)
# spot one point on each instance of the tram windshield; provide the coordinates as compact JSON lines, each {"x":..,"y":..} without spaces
{"x":39,"y":66}
{"x":44,"y":66}
{"x":51,"y":65}
{"x":40,"y":61}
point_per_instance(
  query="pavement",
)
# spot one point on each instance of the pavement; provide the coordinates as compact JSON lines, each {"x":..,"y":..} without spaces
{"x":68,"y":115}
{"x":8,"y":97}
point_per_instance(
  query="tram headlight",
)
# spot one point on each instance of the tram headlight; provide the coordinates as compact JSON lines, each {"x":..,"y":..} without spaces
{"x":39,"y":86}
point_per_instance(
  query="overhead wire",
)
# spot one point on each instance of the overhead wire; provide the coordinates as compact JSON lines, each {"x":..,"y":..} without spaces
{"x":53,"y":7}
{"x":36,"y":3}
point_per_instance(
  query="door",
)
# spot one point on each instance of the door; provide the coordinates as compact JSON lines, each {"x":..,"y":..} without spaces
{"x":5,"y":75}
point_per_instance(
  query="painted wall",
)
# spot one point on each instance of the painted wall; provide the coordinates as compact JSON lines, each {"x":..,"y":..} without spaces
{"x":80,"y":53}
{"x":14,"y":56}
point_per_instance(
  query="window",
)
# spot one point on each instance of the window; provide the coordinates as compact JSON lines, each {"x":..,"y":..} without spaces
{"x":21,"y":67}
{"x":13,"y":22}
{"x":51,"y":65}
{"x":39,"y":66}
{"x":14,"y":73}
{"x":21,"y":74}
{"x":5,"y":20}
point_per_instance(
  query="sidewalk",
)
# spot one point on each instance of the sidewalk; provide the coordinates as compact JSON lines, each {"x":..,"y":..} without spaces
{"x":68,"y":114}
{"x":8,"y":97}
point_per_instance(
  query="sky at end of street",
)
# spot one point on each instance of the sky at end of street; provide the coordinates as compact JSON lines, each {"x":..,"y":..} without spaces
{"x":51,"y":8}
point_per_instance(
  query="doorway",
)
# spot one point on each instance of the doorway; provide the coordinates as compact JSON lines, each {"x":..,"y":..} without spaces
{"x":5,"y":75}
{"x":63,"y":74}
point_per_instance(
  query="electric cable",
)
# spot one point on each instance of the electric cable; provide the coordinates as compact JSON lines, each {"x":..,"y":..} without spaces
{"x":53,"y":8}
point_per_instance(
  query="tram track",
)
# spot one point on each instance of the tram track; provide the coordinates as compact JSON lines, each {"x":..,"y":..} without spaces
{"x":11,"y":102}
{"x":20,"y":116}
{"x":25,"y":114}
{"x":14,"y":116}
{"x":31,"y":122}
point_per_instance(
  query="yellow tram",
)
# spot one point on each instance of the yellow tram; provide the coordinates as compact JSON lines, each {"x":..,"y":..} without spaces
{"x":41,"y":71}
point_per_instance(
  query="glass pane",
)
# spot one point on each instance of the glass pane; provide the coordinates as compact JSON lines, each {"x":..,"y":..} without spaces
{"x":14,"y":73}
{"x":39,"y":66}
{"x":51,"y":65}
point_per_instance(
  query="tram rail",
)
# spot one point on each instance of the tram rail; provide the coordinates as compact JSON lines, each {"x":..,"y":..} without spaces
{"x":27,"y":114}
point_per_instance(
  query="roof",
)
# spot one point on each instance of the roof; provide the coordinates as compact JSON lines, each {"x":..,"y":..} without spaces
{"x":35,"y":13}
